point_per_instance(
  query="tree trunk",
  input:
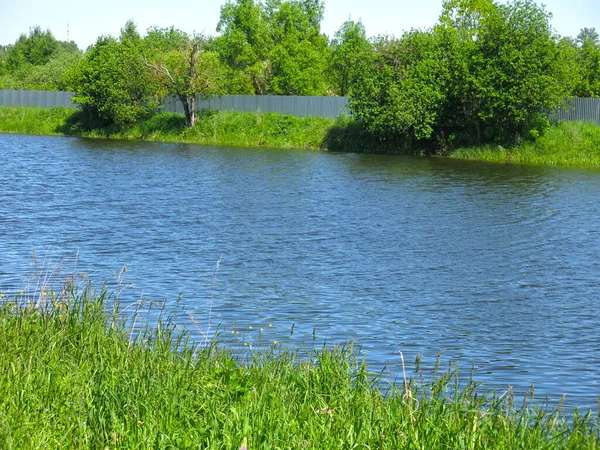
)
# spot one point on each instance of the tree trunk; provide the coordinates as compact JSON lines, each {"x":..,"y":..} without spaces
{"x":189,"y":109}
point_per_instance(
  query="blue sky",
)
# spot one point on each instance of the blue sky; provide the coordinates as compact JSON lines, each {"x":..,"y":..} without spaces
{"x":89,"y":19}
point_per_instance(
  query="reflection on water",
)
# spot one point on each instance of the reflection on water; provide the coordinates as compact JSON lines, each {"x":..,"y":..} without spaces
{"x":495,"y":265}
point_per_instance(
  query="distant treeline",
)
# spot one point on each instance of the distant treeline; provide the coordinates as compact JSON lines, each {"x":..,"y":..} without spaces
{"x":485,"y":73}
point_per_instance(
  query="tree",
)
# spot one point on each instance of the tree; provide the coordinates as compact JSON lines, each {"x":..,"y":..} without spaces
{"x":351,"y":54}
{"x":52,"y":76}
{"x":486,"y":73}
{"x":588,"y":59}
{"x":183,"y":66}
{"x":519,"y":72}
{"x":400,"y":95}
{"x":245,"y":44}
{"x":300,"y":53}
{"x":37,"y":61}
{"x":34,"y":49}
{"x":111,"y":83}
{"x":276,"y":47}
{"x":589,"y":36}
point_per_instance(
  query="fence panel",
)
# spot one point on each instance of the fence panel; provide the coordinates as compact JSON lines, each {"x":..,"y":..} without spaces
{"x":45,"y":99}
{"x":293,"y":105}
{"x":581,"y":109}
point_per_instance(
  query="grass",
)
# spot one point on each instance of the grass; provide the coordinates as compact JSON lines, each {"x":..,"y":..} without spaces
{"x":225,"y":128}
{"x":74,"y":375}
{"x":33,"y":120}
{"x":572,"y":144}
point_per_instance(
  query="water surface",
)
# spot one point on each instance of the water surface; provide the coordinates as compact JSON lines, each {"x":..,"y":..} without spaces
{"x":495,"y":265}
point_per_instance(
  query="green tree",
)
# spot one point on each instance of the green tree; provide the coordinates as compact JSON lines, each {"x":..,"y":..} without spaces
{"x":520,"y":72}
{"x":244,"y":45}
{"x":111,"y":83}
{"x":34,"y":49}
{"x":274,"y":47}
{"x":300,"y":54}
{"x":37,"y":61}
{"x":184,"y":67}
{"x":588,"y":35}
{"x":401,"y":93}
{"x":486,"y":73}
{"x":588,"y":59}
{"x":351,"y":53}
{"x":52,"y":76}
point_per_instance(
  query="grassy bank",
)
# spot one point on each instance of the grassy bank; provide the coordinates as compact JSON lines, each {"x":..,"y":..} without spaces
{"x":573,"y":144}
{"x":227,"y":128}
{"x":72,"y":376}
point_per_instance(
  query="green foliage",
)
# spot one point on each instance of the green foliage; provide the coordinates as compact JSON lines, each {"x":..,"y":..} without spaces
{"x":184,"y":66}
{"x":52,"y":76}
{"x":112,"y":85}
{"x":33,"y":120}
{"x":487,"y":72}
{"x":588,"y":61}
{"x":572,"y":144}
{"x":37,"y":61}
{"x":274,"y":47}
{"x":400,"y":94}
{"x":73,"y":375}
{"x":244,"y":45}
{"x":34,"y":49}
{"x":519,"y":73}
{"x":351,"y":54}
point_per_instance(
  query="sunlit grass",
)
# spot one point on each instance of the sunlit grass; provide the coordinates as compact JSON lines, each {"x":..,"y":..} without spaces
{"x":74,"y":375}
{"x":33,"y":120}
{"x":574,"y":144}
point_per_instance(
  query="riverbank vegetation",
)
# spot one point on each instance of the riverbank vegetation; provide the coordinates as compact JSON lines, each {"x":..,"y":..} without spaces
{"x":568,"y":144}
{"x":222,"y":128}
{"x":73,"y":374}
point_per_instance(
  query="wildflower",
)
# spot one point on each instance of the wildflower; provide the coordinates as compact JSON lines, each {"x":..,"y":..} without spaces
{"x":244,"y":445}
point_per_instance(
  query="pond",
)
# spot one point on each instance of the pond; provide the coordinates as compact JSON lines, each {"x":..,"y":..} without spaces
{"x":497,"y":266}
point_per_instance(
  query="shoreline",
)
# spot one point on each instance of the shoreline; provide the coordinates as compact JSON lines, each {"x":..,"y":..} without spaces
{"x":566,"y":144}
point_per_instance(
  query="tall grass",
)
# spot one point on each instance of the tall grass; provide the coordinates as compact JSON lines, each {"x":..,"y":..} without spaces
{"x":74,"y":375}
{"x":574,"y":144}
{"x":33,"y":120}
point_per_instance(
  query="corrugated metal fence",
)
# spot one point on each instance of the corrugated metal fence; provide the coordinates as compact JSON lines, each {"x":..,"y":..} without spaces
{"x":583,"y":109}
{"x":580,"y":109}
{"x":294,"y":105}
{"x":45,"y":99}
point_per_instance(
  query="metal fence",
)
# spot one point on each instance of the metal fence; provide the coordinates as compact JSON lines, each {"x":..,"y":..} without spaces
{"x":294,"y":105}
{"x":582,"y":109}
{"x":45,"y":99}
